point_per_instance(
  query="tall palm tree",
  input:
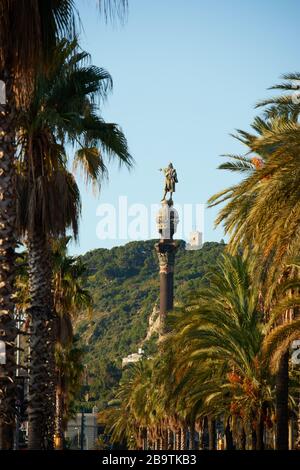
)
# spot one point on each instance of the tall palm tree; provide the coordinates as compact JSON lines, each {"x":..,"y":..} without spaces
{"x":64,"y":109}
{"x":70,"y":298}
{"x":262,"y":215}
{"x":69,"y":371}
{"x":28,"y":31}
{"x":282,"y":328}
{"x":131,"y":416}
{"x":219,"y":335}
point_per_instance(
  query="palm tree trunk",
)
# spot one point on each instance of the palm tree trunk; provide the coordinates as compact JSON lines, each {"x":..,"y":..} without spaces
{"x":192,"y":437}
{"x":205,"y":434}
{"x":253,"y":439}
{"x":41,"y":410}
{"x":164,"y":440}
{"x":282,"y":379}
{"x":243,"y":439}
{"x":228,"y":436}
{"x":8,"y":329}
{"x":260,"y":434}
{"x":145,"y":439}
{"x":59,"y":433}
{"x":177,"y":439}
{"x":169,"y":439}
{"x":291,"y":436}
{"x":183,"y":438}
{"x":212,"y":433}
{"x":200,"y":447}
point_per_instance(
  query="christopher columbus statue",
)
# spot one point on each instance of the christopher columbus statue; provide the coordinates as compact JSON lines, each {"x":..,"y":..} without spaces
{"x":170,"y":180}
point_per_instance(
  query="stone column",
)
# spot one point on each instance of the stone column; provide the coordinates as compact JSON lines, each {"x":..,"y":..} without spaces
{"x":167,"y":220}
{"x":166,"y":250}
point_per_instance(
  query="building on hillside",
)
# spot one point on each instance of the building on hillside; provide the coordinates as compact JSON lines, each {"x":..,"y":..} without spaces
{"x":134,"y":357}
{"x":195,"y":241}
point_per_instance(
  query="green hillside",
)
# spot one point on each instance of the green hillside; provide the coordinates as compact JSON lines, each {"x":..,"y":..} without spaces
{"x":124,"y":283}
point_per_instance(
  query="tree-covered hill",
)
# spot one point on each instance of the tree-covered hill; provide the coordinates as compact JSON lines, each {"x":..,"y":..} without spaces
{"x":124,"y":283}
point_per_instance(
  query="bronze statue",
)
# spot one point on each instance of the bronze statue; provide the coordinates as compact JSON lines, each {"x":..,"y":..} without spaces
{"x":170,"y":180}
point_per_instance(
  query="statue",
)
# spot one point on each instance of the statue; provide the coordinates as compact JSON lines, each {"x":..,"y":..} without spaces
{"x":170,"y":180}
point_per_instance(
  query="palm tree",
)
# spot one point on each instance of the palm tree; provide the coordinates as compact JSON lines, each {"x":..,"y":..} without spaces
{"x":219,"y":339}
{"x":282,"y":328}
{"x":69,"y":371}
{"x":131,"y":416}
{"x":36,"y":26}
{"x":69,"y":299}
{"x":63,"y":110}
{"x":263,"y":216}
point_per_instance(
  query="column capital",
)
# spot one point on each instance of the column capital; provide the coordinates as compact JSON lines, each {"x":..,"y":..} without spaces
{"x":166,"y":250}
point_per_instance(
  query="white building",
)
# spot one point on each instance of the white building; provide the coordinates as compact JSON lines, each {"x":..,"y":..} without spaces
{"x":195,"y":241}
{"x":134,"y":357}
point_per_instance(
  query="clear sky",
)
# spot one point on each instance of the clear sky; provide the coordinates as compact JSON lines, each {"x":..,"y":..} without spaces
{"x":186,"y":74}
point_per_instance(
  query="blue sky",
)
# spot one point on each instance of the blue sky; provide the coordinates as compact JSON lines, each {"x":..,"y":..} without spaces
{"x":186,"y":74}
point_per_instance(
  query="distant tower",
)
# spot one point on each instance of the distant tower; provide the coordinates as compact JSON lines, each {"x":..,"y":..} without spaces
{"x":195,"y":241}
{"x":166,"y":220}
